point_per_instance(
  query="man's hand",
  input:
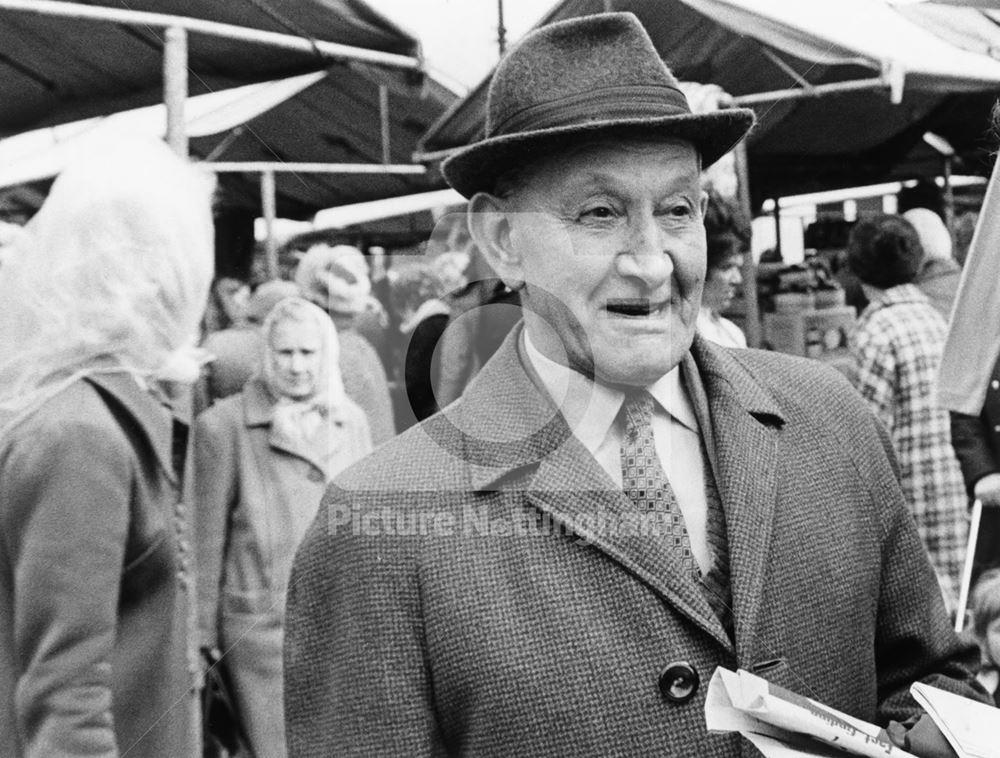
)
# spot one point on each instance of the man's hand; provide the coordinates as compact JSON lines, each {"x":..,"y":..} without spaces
{"x":922,"y":738}
{"x":987,"y":490}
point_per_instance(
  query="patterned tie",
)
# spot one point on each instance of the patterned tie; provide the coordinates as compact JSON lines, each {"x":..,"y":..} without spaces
{"x":644,"y":480}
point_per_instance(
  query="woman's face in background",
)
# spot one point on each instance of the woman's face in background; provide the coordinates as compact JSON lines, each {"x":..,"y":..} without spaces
{"x":991,"y":642}
{"x":295,"y":356}
{"x":722,"y":282}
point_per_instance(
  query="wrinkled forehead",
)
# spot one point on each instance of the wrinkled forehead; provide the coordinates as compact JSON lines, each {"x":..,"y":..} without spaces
{"x":584,"y":156}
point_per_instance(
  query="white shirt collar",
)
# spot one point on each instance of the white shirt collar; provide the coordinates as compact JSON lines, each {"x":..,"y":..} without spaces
{"x":590,"y":408}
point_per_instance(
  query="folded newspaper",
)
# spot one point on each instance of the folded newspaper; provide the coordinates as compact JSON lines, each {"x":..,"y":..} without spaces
{"x":972,"y":729}
{"x":783,"y":724}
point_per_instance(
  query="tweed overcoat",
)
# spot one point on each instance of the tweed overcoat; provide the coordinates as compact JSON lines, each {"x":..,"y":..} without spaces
{"x":96,"y":623}
{"x":256,"y":492}
{"x":430,"y":611}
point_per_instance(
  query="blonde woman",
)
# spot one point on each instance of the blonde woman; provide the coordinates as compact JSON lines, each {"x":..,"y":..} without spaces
{"x":262,"y":461}
{"x":102,"y":297}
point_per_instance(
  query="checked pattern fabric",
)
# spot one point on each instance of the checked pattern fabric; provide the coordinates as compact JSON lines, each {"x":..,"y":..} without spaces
{"x":644,"y":480}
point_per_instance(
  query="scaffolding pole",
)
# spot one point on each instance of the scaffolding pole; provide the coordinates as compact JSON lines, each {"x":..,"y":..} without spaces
{"x":269,"y":206}
{"x":332,"y":50}
{"x":175,"y":88}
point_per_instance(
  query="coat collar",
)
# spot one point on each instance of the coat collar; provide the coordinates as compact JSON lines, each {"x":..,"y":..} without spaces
{"x":258,"y":411}
{"x":258,"y":403}
{"x":512,"y":432}
{"x":898,"y":295}
{"x":743,"y":425}
{"x":148,"y":411}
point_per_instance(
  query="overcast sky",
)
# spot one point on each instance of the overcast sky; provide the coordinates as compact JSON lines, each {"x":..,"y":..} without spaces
{"x":459,"y":37}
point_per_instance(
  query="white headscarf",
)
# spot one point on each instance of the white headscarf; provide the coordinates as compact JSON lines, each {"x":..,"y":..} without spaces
{"x":451,"y":268}
{"x":329,"y":384}
{"x":335,"y":278}
{"x":933,"y":234}
{"x":307,"y":420}
{"x":113,"y":272}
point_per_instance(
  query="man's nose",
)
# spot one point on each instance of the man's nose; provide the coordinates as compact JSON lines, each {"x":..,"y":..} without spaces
{"x":296,"y":363}
{"x":647,"y":255}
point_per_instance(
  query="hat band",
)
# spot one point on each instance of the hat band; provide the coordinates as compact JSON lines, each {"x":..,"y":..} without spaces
{"x":607,"y":103}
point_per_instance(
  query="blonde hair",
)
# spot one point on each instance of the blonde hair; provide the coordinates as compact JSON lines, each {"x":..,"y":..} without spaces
{"x":112,"y":272}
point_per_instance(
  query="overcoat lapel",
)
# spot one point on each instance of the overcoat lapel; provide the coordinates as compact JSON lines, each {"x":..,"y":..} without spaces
{"x":258,"y":410}
{"x":149,"y":414}
{"x":576,"y":491}
{"x":558,"y":476}
{"x":745,"y":424}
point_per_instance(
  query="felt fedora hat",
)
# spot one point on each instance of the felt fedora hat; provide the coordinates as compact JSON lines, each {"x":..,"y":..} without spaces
{"x":579,"y":78}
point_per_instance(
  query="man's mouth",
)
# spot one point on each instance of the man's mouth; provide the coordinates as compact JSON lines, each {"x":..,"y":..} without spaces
{"x":636,"y":307}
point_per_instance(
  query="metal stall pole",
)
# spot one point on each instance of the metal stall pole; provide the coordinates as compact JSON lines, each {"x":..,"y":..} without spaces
{"x":501,"y":29}
{"x":777,"y":229}
{"x":384,"y":123}
{"x":751,"y":325}
{"x":949,"y":197}
{"x":268,"y":202}
{"x":175,"y":88}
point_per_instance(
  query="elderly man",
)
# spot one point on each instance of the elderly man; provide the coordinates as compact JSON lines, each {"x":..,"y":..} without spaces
{"x":556,"y":564}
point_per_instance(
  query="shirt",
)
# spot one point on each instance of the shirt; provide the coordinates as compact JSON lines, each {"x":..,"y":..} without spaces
{"x":591,"y":411}
{"x":720,"y":330}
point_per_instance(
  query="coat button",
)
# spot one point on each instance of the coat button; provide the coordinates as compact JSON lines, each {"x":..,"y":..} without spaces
{"x":995,"y":384}
{"x":315,"y":476}
{"x":679,"y":681}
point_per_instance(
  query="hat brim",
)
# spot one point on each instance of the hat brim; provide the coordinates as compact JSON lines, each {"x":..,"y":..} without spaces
{"x":475,"y":168}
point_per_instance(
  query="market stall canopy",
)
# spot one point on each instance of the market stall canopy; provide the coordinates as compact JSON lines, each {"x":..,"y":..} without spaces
{"x":326,"y":119}
{"x":42,"y":153}
{"x":348,"y":127}
{"x":975,"y":28}
{"x":348,"y":216}
{"x":844,"y":91}
{"x":393,"y":223}
{"x":985,"y":4}
{"x":57,"y":67}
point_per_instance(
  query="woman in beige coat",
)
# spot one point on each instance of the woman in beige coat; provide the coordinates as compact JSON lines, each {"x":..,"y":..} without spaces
{"x":262,"y":461}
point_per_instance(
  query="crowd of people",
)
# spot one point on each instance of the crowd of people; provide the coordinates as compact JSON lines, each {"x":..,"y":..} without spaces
{"x":525,"y":503}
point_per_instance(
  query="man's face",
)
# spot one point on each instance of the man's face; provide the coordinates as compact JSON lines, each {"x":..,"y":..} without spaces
{"x":295,"y":356}
{"x":609,"y":241}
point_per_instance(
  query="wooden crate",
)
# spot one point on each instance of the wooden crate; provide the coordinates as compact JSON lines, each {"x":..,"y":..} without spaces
{"x":812,"y":333}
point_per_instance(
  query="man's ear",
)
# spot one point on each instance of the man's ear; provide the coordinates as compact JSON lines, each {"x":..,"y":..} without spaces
{"x":489,"y":224}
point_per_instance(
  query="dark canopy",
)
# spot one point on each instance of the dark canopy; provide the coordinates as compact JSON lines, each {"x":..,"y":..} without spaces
{"x":57,"y":70}
{"x":808,"y":144}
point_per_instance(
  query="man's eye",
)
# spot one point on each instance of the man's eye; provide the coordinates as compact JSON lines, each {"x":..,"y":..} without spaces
{"x":599,"y":212}
{"x":680,"y":211}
